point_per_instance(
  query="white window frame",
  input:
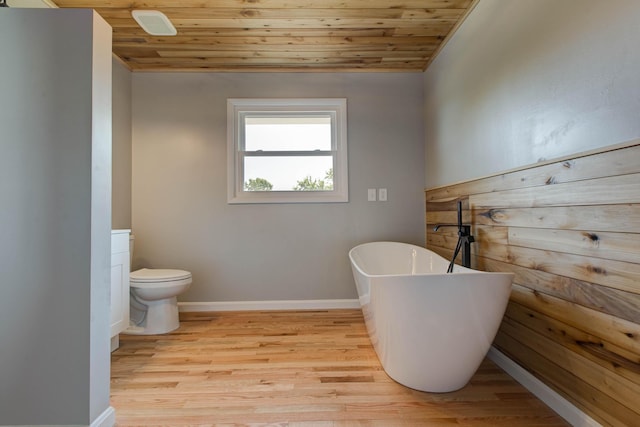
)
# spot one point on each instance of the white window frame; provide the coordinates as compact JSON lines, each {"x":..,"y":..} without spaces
{"x":337,"y":107}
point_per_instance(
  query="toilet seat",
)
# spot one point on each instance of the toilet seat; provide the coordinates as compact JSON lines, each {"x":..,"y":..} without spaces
{"x":158,"y":278}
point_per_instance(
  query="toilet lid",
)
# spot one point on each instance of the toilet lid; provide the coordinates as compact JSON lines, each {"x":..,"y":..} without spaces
{"x":158,"y":275}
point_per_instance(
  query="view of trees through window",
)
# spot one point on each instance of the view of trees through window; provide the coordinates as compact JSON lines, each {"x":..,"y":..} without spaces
{"x":308,"y":183}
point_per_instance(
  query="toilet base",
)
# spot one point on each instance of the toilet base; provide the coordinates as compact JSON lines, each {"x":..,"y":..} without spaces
{"x":153,"y":317}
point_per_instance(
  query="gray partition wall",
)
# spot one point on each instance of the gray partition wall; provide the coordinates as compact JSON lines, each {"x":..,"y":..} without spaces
{"x":55,"y":217}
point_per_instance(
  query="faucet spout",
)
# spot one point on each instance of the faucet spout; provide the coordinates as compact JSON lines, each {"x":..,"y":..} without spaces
{"x":464,"y":240}
{"x":439,"y":226}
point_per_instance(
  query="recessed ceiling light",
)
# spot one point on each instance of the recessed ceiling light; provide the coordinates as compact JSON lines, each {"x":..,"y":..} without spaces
{"x":154,"y":22}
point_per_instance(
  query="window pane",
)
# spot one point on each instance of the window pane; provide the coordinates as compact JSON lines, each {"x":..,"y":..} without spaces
{"x":291,"y":173}
{"x":294,"y":133}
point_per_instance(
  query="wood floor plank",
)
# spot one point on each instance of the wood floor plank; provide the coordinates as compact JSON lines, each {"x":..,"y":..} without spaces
{"x":294,"y":369}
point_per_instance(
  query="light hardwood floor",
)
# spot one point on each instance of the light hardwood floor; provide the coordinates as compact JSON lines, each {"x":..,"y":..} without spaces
{"x":293,"y":369}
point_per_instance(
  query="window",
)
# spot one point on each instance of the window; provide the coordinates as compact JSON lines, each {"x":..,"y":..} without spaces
{"x":287,"y":150}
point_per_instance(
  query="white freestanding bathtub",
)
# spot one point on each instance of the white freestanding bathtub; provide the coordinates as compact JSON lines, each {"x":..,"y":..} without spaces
{"x":431,"y":330}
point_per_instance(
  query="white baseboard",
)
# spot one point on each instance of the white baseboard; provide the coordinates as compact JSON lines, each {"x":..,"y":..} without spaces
{"x":321,"y":304}
{"x":106,"y":419}
{"x":555,"y":401}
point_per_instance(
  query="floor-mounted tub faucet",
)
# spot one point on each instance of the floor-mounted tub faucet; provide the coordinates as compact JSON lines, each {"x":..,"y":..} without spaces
{"x":464,"y":241}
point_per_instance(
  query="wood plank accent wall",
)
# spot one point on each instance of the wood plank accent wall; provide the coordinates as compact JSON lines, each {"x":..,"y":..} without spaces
{"x":570,"y":231}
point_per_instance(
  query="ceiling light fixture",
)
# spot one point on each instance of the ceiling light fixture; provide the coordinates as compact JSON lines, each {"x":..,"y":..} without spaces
{"x":154,"y":22}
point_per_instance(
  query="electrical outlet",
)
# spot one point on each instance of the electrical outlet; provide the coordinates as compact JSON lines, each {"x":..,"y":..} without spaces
{"x":382,"y":194}
{"x":371,"y":194}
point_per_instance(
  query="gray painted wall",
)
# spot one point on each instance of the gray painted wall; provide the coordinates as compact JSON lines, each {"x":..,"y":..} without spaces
{"x":528,"y":80}
{"x":121,"y":191}
{"x":55,"y":219}
{"x":181,"y":218}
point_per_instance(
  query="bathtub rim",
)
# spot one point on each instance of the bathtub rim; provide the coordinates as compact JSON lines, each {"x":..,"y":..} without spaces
{"x":458,"y":269}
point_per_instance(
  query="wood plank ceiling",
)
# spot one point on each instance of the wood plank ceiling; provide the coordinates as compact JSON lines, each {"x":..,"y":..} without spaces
{"x":283,"y":35}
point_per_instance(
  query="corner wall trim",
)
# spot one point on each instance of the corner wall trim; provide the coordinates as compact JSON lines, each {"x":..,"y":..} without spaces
{"x":322,"y":304}
{"x":555,"y":401}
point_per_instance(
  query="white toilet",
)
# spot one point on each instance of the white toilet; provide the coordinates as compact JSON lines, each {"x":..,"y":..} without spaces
{"x":153,"y":299}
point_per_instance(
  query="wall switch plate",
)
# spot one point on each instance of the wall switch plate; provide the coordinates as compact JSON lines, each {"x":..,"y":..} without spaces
{"x":382,"y":194}
{"x":371,"y":194}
